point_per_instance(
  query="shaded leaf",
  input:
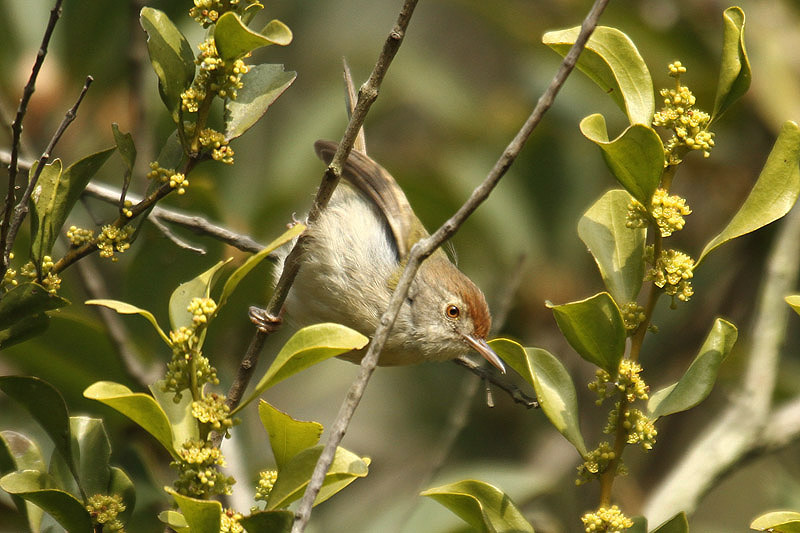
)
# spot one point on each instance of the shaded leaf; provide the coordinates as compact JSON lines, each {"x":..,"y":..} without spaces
{"x":636,"y":157}
{"x":287,"y":436}
{"x":484,"y":507}
{"x":202,"y":516}
{"x":617,"y":249}
{"x":121,"y":484}
{"x":612,"y":61}
{"x":125,"y":146}
{"x":594,"y":328}
{"x":676,"y":524}
{"x":639,"y":525}
{"x":233,"y":39}
{"x":171,"y":56}
{"x":734,"y":72}
{"x":295,"y":474}
{"x":33,"y":486}
{"x":175,"y":520}
{"x":139,"y":407}
{"x":697,"y":382}
{"x":263,"y":84}
{"x":23,"y":330}
{"x":305,"y":348}
{"x":271,"y":521}
{"x":198,"y":287}
{"x":43,"y":202}
{"x":778,"y":522}
{"x":91,"y":451}
{"x":18,"y":452}
{"x":27,"y":300}
{"x":125,"y":308}
{"x":774,"y":193}
{"x":184,"y":425}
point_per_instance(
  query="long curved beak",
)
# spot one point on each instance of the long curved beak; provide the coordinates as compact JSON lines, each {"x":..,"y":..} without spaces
{"x":482,"y":347}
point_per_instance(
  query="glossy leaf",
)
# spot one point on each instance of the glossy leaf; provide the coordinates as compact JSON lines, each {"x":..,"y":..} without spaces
{"x":175,"y":520}
{"x":263,"y":84}
{"x":636,"y":157}
{"x":198,"y":287}
{"x":307,"y":347}
{"x":594,"y":328}
{"x":612,"y":61}
{"x":184,"y":425}
{"x":287,"y":436}
{"x":27,"y":300}
{"x":233,"y":39}
{"x":552,"y":383}
{"x":484,"y":507}
{"x":617,"y":249}
{"x":238,"y":275}
{"x":91,"y":452}
{"x":141,"y":408}
{"x":122,"y":485}
{"x":676,"y":524}
{"x":774,"y":193}
{"x":697,"y":382}
{"x":778,"y":522}
{"x":34,"y":486}
{"x":734,"y":72}
{"x":271,"y":521}
{"x":294,"y":476}
{"x":18,"y":452}
{"x":202,"y":516}
{"x":171,"y":56}
{"x":124,"y":308}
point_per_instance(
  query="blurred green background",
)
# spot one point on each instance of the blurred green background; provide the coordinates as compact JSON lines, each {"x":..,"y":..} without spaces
{"x":463,"y":82}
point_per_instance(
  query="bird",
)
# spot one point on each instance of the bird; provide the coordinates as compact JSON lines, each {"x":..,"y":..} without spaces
{"x":352,"y":258}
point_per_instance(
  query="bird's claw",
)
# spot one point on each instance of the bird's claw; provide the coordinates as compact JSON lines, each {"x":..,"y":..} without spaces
{"x":264,"y":321}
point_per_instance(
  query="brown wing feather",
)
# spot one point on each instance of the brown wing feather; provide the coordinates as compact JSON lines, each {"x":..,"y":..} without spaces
{"x":378,"y":185}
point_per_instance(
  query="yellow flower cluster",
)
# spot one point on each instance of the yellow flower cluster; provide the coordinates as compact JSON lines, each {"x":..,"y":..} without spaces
{"x":668,"y":211}
{"x":78,"y":236}
{"x":632,"y":315}
{"x":202,"y":309}
{"x":630,"y":382}
{"x":213,"y":410}
{"x":229,"y":522}
{"x":266,"y":480}
{"x":216,"y":77}
{"x":606,"y":520}
{"x":199,"y":475}
{"x":113,"y":239}
{"x":206,"y":12}
{"x":216,"y":142}
{"x":640,"y":429}
{"x":673,"y":272}
{"x":595,"y":463}
{"x":104,"y":511}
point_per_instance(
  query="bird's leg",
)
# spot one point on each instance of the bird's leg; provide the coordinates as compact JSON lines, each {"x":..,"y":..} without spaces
{"x":264,"y":321}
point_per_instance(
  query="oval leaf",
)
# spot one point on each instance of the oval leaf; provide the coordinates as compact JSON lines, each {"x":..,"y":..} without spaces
{"x":636,"y":157}
{"x":482,"y":506}
{"x":734,"y":72}
{"x":612,"y":61}
{"x":778,"y":521}
{"x":263,"y":84}
{"x":774,"y":193}
{"x":139,"y":407}
{"x":697,"y":382}
{"x":91,"y":451}
{"x":124,"y":308}
{"x":202,"y":516}
{"x":287,"y":436}
{"x":65,"y":508}
{"x":233,"y":39}
{"x":27,"y":300}
{"x":676,"y":524}
{"x":305,"y":348}
{"x":594,"y":328}
{"x":294,"y":476}
{"x":45,"y":200}
{"x":277,"y":32}
{"x":272,"y":521}
{"x":617,"y":249}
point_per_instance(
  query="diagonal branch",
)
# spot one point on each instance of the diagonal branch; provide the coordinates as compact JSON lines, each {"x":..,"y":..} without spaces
{"x":422,"y":250}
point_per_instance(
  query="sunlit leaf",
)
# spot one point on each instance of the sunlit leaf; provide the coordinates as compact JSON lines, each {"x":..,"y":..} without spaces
{"x":198,"y":287}
{"x":617,"y":249}
{"x":612,"y":61}
{"x":484,"y":507}
{"x":34,"y":486}
{"x":636,"y":157}
{"x":734,"y":72}
{"x":594,"y":328}
{"x":287,"y":436}
{"x":91,"y":452}
{"x":175,"y":520}
{"x":271,"y":521}
{"x":184,"y":425}
{"x":778,"y":522}
{"x":697,"y":382}
{"x":774,"y":193}
{"x":202,"y":516}
{"x":263,"y":84}
{"x":305,"y":348}
{"x":233,"y":39}
{"x":125,"y":308}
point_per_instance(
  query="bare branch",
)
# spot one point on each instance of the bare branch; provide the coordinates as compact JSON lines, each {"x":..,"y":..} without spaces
{"x":422,"y":250}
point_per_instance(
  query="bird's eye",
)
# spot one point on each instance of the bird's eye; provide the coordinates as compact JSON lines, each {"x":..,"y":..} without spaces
{"x":452,"y":311}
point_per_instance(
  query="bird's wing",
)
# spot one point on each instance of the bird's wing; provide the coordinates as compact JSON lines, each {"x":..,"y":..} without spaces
{"x":377,"y":184}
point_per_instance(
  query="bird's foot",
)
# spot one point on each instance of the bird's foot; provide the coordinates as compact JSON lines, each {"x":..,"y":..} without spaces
{"x":264,"y":321}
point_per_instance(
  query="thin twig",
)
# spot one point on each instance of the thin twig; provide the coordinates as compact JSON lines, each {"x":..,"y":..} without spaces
{"x":22,"y":207}
{"x":6,"y":241}
{"x":486,"y":373}
{"x":177,"y":241}
{"x":422,"y":250}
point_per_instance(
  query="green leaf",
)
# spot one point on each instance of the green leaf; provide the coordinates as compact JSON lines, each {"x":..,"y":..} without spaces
{"x":175,"y":520}
{"x":184,"y":425}
{"x":734,"y":72}
{"x":238,"y":275}
{"x":287,"y":436}
{"x":171,"y":56}
{"x":27,"y":300}
{"x":594,"y":328}
{"x":198,"y":287}
{"x":33,"y":486}
{"x":263,"y":84}
{"x":124,"y":308}
{"x":121,"y":484}
{"x":777,"y":522}
{"x":139,"y":407}
{"x":306,"y":348}
{"x":125,"y":146}
{"x":617,"y":249}
{"x":18,"y":452}
{"x":47,"y":407}
{"x":636,"y":157}
{"x":639,"y":525}
{"x":271,"y":521}
{"x":234,"y":39}
{"x":697,"y":382}
{"x":774,"y":193}
{"x":91,"y":452}
{"x":21,"y":331}
{"x":552,"y":383}
{"x":44,"y":201}
{"x":612,"y":61}
{"x":484,"y":507}
{"x":794,"y":301}
{"x":676,"y":524}
{"x":202,"y":516}
{"x":295,"y":474}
